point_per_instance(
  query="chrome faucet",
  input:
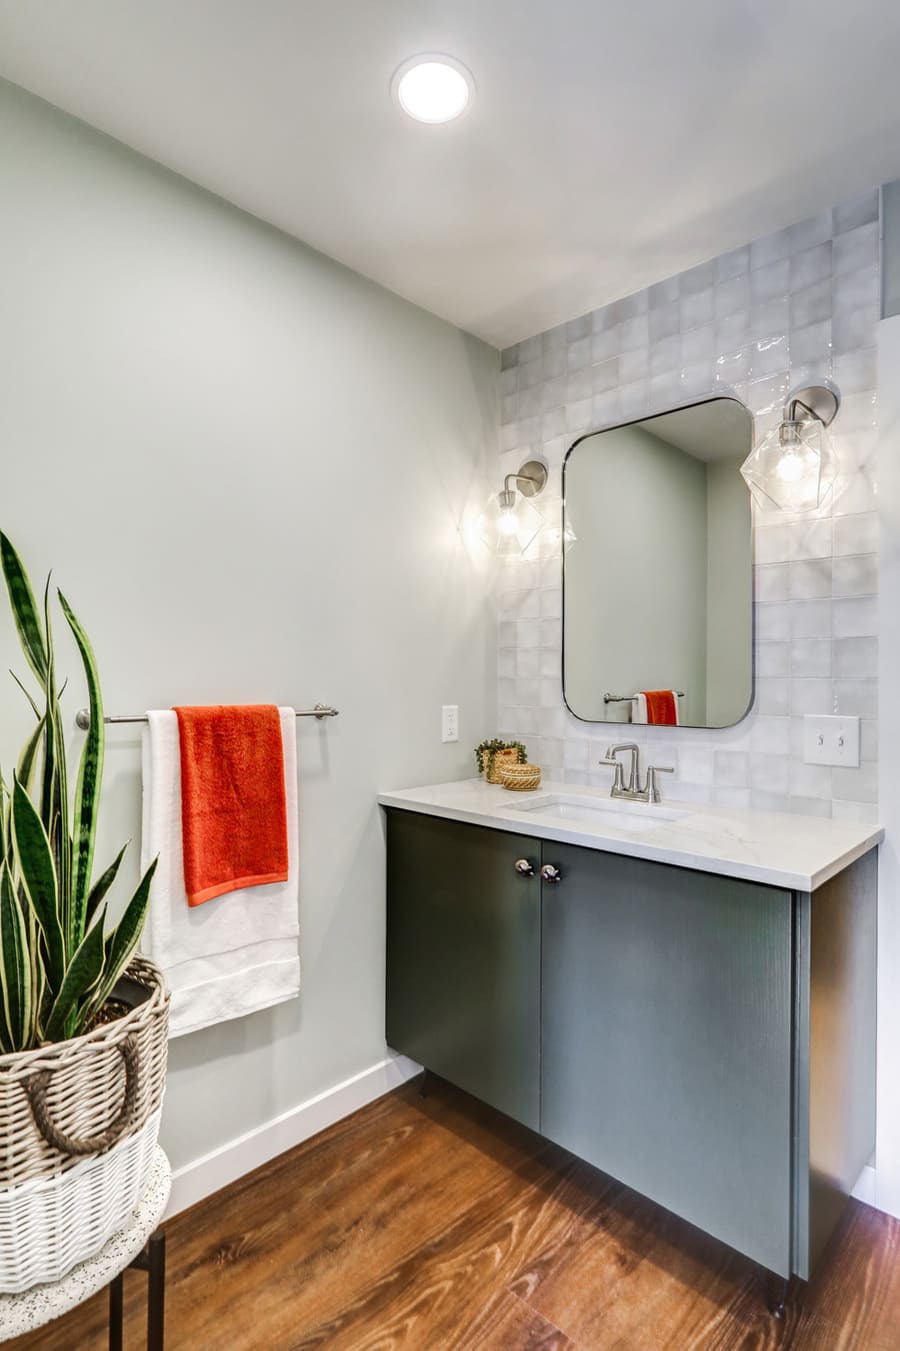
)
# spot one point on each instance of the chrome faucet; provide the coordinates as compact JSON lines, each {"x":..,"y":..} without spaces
{"x":632,"y":790}
{"x":620,"y":788}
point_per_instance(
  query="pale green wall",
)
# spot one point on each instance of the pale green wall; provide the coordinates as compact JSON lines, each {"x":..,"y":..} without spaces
{"x":246,"y":464}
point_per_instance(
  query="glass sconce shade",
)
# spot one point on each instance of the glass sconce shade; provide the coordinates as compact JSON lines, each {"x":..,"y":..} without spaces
{"x":793,"y":468}
{"x":509,"y":523}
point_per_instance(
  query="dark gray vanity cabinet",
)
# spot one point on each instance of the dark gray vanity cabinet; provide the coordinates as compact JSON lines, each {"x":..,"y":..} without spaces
{"x":464,"y":958}
{"x":708,"y":1041}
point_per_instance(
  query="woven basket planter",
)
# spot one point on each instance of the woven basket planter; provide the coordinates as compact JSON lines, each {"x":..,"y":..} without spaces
{"x":79,"y":1121}
{"x":502,"y":759}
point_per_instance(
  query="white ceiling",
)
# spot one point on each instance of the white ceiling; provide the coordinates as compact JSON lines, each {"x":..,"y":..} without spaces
{"x":610,"y":143}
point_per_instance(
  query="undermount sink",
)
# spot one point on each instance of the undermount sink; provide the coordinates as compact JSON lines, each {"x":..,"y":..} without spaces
{"x":601,"y":811}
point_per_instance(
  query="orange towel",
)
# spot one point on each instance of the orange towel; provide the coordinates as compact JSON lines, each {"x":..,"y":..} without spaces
{"x":661,"y":707}
{"x":233,"y":813}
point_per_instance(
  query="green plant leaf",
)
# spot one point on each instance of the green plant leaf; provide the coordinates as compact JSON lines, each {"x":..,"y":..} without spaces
{"x":90,"y":774}
{"x":25,"y":770}
{"x":5,"y":840}
{"x":102,"y":885}
{"x":82,"y":975}
{"x":34,"y":707}
{"x":34,"y":857}
{"x":123,"y":940}
{"x":24,"y":608}
{"x":15,"y":967}
{"x":56,"y":815}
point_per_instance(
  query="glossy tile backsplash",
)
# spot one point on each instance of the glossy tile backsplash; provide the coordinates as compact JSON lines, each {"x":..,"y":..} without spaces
{"x":794,"y":307}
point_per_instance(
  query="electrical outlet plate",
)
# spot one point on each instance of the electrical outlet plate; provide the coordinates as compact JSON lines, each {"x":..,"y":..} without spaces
{"x":831,"y":741}
{"x":450,"y":722}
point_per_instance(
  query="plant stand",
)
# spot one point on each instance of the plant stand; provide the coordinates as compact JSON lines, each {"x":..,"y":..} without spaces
{"x":139,"y":1244}
{"x":151,"y":1259}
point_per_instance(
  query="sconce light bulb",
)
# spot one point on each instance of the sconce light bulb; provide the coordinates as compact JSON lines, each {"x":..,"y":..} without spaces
{"x":508,"y":523}
{"x":790,"y":467}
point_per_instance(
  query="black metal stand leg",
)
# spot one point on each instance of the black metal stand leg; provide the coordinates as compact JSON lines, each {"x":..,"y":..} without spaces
{"x":423,"y":1086}
{"x":156,"y":1291}
{"x":151,"y":1259}
{"x":115,"y":1313}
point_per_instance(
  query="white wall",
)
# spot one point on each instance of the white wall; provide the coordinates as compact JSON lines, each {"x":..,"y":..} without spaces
{"x":246,"y":466}
{"x":887,"y":1149}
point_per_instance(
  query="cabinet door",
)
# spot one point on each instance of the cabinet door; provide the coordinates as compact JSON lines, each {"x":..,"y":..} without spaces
{"x":463,"y":957}
{"x":666,"y":1051}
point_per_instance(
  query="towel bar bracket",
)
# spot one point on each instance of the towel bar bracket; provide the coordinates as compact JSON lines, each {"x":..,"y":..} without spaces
{"x":83,"y":717}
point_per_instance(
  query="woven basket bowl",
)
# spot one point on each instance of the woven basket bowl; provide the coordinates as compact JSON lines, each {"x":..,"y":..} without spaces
{"x":521,"y":778}
{"x":68,"y":1110}
{"x":502,"y":760}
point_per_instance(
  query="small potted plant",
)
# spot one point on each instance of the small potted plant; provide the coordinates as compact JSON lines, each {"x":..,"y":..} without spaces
{"x":493,"y":754}
{"x":83,"y":1021}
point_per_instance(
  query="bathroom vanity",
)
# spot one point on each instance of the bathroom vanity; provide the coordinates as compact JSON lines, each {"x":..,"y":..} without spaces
{"x":683,"y":996}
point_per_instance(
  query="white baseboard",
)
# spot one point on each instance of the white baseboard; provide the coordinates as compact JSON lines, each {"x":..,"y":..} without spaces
{"x":232,"y":1160}
{"x":865,"y":1186}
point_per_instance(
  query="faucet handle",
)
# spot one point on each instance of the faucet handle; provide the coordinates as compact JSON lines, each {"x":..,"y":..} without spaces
{"x":619,"y":776}
{"x":653,"y":794}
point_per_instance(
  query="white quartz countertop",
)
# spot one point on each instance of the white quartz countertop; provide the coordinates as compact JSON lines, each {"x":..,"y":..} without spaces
{"x":797,"y":852}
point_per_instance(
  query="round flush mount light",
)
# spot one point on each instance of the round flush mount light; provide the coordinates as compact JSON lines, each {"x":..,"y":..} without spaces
{"x":433,"y":88}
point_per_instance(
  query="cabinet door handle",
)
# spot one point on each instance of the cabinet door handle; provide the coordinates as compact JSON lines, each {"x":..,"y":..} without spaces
{"x":524,"y":868}
{"x":550,"y":873}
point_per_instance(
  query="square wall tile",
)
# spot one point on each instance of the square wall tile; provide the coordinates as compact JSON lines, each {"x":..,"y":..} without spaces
{"x":856,"y":658}
{"x":856,"y":248}
{"x":811,"y":580}
{"x":855,"y":575}
{"x":855,"y":618}
{"x":859,"y":211}
{"x":812,"y":265}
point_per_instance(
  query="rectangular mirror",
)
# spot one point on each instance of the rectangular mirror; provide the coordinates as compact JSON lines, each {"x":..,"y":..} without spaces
{"x":658,"y":579}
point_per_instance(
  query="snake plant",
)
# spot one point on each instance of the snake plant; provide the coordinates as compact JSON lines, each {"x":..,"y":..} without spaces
{"x":58,"y":962}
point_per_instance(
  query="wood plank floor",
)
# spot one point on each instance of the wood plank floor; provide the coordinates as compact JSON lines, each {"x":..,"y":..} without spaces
{"x":438,"y":1225}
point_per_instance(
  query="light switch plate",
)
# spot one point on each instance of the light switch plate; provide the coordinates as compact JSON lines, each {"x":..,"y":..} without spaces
{"x":450,"y":722}
{"x":829,"y":740}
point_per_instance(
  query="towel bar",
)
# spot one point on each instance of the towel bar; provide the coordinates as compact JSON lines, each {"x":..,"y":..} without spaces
{"x":83,"y":717}
{"x":628,"y":698}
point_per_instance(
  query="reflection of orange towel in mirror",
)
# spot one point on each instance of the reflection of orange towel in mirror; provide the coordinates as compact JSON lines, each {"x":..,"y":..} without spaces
{"x":662,"y":707}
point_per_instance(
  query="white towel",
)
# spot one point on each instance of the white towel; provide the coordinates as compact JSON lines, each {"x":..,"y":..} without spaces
{"x":639,"y":709}
{"x":238,"y":952}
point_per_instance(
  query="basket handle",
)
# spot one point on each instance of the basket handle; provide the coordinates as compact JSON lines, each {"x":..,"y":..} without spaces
{"x":36,"y":1091}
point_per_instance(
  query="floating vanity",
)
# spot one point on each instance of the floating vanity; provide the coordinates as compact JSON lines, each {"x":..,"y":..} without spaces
{"x":683,"y":996}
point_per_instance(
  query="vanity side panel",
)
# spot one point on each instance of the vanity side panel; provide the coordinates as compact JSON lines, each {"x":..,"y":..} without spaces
{"x":666,"y":1052}
{"x":842,"y":1046}
{"x":464,"y":957}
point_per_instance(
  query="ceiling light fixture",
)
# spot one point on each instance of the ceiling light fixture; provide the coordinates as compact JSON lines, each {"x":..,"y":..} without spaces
{"x":433,"y":88}
{"x":794,"y":467}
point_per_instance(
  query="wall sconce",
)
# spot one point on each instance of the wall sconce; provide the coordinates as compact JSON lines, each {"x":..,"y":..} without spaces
{"x":509,"y":522}
{"x":794,"y":467}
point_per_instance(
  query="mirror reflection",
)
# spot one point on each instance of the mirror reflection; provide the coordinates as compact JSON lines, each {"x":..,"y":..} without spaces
{"x":658,"y":581}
